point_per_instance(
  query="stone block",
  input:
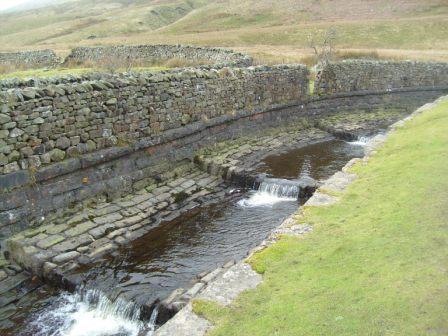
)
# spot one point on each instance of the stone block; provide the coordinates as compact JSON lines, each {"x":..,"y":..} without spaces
{"x":64,"y":257}
{"x":49,"y":241}
{"x":107,"y":219}
{"x":14,"y":179}
{"x":80,"y":228}
{"x":72,"y":243}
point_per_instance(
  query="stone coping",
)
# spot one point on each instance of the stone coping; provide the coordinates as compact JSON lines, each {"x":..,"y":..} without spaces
{"x":134,"y":78}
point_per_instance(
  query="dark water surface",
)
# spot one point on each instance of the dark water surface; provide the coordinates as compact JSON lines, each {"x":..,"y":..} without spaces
{"x":173,"y":253}
{"x":319,"y":160}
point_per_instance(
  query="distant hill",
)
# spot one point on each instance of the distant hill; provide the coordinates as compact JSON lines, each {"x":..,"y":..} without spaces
{"x":32,"y":4}
{"x":258,"y":26}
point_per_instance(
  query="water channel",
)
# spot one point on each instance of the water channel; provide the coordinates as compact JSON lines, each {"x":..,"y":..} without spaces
{"x":175,"y":252}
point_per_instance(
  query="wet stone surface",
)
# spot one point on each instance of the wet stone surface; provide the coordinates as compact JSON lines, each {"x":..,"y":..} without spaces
{"x":103,"y":227}
{"x":239,"y":160}
{"x":169,"y":234}
{"x":349,"y":125}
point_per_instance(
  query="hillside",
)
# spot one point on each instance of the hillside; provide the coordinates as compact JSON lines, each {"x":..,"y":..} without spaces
{"x":404,"y":28}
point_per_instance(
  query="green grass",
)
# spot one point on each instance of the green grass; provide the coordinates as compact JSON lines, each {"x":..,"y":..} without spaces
{"x":75,"y":20}
{"x":45,"y":73}
{"x":376,"y":262}
{"x":378,"y":24}
{"x":430,"y":34}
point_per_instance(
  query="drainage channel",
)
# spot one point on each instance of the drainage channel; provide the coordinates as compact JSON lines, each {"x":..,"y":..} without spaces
{"x":174,"y":253}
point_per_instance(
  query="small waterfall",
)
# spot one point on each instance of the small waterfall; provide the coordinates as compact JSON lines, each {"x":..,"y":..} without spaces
{"x":305,"y":170}
{"x":271,"y":191}
{"x":103,"y":307}
{"x":89,"y":312}
{"x":152,"y":321}
{"x":360,"y":141}
{"x":282,"y":189}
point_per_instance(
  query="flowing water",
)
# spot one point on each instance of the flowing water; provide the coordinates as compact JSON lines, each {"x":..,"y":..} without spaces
{"x":319,"y":160}
{"x":87,"y":312}
{"x":173,"y":253}
{"x":271,"y":191}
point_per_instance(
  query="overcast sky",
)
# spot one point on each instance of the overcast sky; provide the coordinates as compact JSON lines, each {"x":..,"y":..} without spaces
{"x":5,"y":4}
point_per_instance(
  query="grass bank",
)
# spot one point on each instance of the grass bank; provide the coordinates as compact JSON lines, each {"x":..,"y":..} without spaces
{"x":376,"y":262}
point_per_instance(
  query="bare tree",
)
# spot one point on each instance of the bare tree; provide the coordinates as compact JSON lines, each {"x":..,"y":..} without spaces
{"x":323,"y":46}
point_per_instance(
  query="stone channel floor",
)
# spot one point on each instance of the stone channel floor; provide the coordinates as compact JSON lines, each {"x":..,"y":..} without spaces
{"x":103,"y":227}
{"x":66,"y":242}
{"x":237,"y":160}
{"x":70,"y":241}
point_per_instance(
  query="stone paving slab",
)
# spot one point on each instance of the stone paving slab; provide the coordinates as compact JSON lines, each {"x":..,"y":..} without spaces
{"x":238,"y":159}
{"x":104,"y":226}
{"x":225,"y":288}
{"x":319,"y":199}
{"x":338,"y":182}
{"x":185,"y":323}
{"x":224,"y":285}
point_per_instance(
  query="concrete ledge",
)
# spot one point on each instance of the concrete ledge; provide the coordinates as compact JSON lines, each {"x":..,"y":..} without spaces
{"x":223,"y":290}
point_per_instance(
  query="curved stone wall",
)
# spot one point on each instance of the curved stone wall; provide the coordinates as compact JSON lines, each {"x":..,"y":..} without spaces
{"x":149,"y":53}
{"x":65,"y":140}
{"x":42,"y":125}
{"x":358,"y":76}
{"x":30,"y":59}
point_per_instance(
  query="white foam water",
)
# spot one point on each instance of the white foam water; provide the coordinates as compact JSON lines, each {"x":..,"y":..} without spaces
{"x":271,"y":192}
{"x":305,"y":170}
{"x":261,"y":198}
{"x":90,"y":313}
{"x":361,"y":141}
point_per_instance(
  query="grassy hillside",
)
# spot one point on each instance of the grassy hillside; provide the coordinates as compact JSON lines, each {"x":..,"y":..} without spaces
{"x":77,"y":21}
{"x":406,"y":28}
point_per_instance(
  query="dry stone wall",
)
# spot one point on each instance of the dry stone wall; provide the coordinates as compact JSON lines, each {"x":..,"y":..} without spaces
{"x":150,"y":53}
{"x":121,"y":170}
{"x":30,"y":59}
{"x":356,"y":76}
{"x":39,"y":126}
{"x":65,"y":140}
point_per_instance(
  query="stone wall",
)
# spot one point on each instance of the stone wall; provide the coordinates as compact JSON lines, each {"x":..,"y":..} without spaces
{"x":355,"y":76}
{"x":62,"y":142}
{"x":150,"y":53}
{"x":39,"y":126}
{"x":30,"y":59}
{"x":120,"y":170}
